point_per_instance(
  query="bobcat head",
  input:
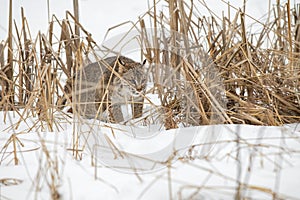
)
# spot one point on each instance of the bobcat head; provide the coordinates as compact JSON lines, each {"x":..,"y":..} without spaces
{"x":131,"y":84}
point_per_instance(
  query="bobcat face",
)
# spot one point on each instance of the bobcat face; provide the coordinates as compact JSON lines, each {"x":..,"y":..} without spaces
{"x":132,"y":83}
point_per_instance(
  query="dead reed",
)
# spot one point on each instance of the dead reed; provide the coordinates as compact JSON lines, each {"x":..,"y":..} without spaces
{"x":232,"y":74}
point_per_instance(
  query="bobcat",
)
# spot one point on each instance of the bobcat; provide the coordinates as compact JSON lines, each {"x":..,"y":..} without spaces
{"x":109,"y":84}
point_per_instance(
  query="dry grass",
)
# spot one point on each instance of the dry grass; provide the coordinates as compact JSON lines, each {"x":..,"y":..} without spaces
{"x":234,"y":76}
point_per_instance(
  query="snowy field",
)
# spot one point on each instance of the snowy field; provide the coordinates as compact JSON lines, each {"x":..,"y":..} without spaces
{"x":265,"y":164}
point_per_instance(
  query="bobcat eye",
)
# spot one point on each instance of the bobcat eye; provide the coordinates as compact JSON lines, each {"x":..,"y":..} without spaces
{"x":133,"y":82}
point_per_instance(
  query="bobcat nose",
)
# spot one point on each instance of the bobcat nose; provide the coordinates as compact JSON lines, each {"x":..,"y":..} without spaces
{"x":139,"y":89}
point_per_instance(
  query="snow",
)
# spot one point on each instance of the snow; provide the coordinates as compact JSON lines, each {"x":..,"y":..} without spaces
{"x":268,"y":162}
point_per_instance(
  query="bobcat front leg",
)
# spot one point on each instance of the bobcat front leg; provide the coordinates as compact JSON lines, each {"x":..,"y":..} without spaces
{"x":115,"y":113}
{"x":137,"y":107}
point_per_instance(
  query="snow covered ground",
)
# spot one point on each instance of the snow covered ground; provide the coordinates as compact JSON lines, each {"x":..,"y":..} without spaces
{"x":210,"y":164}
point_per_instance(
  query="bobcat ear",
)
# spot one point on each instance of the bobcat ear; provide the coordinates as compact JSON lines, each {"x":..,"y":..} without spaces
{"x":144,"y":62}
{"x":121,"y":66}
{"x":121,"y":61}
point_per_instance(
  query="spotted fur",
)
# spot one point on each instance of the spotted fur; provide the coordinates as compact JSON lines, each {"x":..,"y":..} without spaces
{"x":108,"y":84}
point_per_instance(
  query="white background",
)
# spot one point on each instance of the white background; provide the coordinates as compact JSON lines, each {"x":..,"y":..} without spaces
{"x":98,"y":15}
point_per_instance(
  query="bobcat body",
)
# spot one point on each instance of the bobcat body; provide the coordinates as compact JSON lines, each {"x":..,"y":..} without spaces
{"x":109,"y":84}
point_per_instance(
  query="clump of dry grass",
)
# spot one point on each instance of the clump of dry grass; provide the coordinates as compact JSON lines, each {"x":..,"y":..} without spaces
{"x":217,"y":71}
{"x":258,"y":72}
